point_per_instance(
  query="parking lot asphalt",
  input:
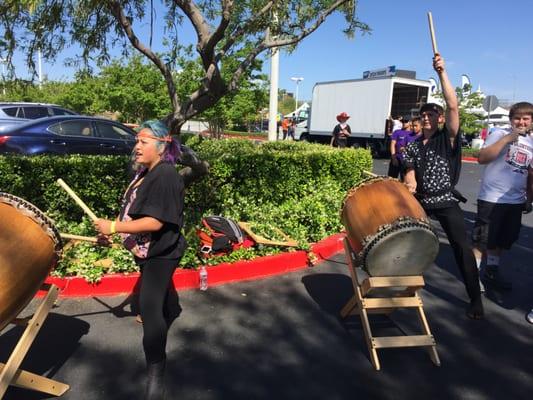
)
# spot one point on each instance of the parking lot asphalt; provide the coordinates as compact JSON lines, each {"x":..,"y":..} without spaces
{"x":282,"y":338}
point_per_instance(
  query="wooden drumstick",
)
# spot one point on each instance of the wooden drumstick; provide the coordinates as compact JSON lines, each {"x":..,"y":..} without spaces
{"x":370,"y":173}
{"x":432,"y":33}
{"x":90,"y":239}
{"x":75,"y":197}
{"x":69,"y":236}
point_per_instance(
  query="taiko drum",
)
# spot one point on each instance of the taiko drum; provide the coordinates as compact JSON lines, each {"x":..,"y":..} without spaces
{"x":388,"y":228}
{"x":30,"y":247}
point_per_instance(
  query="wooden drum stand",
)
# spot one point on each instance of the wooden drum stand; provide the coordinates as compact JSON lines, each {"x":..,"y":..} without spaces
{"x":10,"y":374}
{"x":365,"y":301}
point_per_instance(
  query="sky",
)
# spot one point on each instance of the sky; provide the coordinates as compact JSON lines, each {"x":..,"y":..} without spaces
{"x":488,"y":40}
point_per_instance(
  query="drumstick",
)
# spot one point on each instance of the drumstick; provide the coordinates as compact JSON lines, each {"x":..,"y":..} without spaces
{"x":90,"y":239}
{"x":75,"y":197}
{"x":432,"y":33}
{"x":78,"y":237}
{"x":370,"y":173}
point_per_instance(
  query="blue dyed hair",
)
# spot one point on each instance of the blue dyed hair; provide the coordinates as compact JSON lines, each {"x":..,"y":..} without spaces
{"x":171,"y":152}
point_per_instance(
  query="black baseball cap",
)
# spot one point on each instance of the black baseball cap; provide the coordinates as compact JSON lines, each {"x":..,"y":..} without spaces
{"x":432,"y":107}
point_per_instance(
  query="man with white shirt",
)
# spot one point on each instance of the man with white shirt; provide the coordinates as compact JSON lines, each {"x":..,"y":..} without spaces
{"x":504,"y":194}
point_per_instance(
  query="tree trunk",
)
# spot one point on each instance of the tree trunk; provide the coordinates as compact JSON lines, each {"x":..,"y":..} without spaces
{"x":193,"y":168}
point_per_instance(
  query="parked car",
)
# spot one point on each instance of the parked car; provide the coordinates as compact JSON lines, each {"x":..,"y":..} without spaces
{"x":68,"y":134}
{"x":31,"y":110}
{"x":11,"y":121}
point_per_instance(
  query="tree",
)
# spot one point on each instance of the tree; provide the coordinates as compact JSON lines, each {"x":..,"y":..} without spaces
{"x":468,"y":101}
{"x":285,"y":102}
{"x":229,"y":34}
{"x":134,"y":89}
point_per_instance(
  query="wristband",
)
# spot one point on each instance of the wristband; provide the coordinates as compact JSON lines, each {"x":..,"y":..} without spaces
{"x":112,"y":228}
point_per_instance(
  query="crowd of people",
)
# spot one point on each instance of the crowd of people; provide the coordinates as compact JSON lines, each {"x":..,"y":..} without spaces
{"x":425,"y":153}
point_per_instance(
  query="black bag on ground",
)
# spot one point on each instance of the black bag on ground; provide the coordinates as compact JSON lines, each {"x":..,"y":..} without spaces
{"x":223,"y":234}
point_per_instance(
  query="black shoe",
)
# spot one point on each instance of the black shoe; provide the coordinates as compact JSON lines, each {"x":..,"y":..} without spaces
{"x":475,"y":309}
{"x":155,"y":385}
{"x":494,"y":277}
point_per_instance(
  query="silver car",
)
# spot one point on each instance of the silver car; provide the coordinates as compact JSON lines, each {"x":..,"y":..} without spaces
{"x":22,"y":110}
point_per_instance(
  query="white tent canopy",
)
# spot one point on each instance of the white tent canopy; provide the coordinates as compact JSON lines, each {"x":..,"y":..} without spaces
{"x":498,"y":117}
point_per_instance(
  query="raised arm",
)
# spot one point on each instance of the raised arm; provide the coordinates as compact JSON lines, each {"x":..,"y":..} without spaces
{"x":452,"y":107}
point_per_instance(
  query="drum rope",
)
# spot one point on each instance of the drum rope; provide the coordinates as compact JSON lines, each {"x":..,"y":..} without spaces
{"x":32,"y":212}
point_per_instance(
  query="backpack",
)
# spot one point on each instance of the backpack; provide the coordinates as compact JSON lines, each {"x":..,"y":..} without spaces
{"x":220,"y":235}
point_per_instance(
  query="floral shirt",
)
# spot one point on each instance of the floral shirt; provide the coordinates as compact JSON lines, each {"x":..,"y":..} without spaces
{"x":437,"y":166}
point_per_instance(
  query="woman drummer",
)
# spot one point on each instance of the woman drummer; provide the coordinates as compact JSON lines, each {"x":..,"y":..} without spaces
{"x":150,"y":224}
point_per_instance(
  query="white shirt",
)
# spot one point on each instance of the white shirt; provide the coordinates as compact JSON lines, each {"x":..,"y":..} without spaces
{"x":505,"y":178}
{"x":396,"y":124}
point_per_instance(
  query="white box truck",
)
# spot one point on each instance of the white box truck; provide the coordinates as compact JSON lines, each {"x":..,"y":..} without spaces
{"x":369,"y":102}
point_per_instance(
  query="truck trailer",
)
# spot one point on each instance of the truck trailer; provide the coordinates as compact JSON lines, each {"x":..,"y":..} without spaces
{"x":369,"y":102}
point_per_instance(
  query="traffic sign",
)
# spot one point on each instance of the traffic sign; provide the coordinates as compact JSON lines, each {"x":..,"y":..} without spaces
{"x":490,"y":103}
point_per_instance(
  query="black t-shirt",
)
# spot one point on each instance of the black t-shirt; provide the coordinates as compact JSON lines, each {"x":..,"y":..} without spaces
{"x":437,"y":166}
{"x":337,"y":132}
{"x":161,"y":196}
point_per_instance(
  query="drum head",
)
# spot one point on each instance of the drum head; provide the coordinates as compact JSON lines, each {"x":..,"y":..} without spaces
{"x":405,"y":251}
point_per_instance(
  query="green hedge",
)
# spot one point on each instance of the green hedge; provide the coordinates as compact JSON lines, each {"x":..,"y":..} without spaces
{"x":469,"y":152}
{"x":297,"y":187}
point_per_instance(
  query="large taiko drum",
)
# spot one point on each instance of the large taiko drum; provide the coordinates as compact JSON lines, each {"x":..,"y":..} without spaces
{"x":388,"y":229}
{"x":30,"y":246}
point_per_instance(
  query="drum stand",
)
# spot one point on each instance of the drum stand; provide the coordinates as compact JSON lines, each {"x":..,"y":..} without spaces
{"x":10,"y":374}
{"x":363,"y":305}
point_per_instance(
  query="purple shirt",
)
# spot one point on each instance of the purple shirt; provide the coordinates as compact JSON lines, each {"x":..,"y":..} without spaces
{"x":402,"y":138}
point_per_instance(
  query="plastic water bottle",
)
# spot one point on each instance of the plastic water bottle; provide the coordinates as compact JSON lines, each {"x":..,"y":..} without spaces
{"x":203,"y":278}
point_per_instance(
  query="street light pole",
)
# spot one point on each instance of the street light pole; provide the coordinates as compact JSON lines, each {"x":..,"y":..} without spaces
{"x":297,"y":80}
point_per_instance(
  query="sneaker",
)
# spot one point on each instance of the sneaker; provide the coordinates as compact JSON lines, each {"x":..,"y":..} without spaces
{"x":494,"y":277}
{"x":529,"y":317}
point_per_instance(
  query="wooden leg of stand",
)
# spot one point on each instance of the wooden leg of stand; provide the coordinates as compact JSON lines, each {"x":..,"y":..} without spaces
{"x":425,"y":327}
{"x":356,"y":304}
{"x":368,"y":337}
{"x":349,"y":308}
{"x":8,"y":374}
{"x":28,"y":380}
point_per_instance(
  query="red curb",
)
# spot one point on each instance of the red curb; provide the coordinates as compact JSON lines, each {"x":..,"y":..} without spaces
{"x":261,"y":267}
{"x":470,"y":159}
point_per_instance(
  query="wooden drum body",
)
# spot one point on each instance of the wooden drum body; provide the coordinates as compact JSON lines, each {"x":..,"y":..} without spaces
{"x":30,"y":247}
{"x":388,"y":228}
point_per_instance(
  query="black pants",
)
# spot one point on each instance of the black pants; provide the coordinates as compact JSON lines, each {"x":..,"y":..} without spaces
{"x":451,"y":220}
{"x":395,"y":170}
{"x":155,"y":280}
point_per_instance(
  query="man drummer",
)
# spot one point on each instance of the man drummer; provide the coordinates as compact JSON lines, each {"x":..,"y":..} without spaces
{"x":433,"y":164}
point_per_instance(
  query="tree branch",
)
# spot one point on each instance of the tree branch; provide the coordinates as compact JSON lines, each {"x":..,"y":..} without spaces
{"x":217,"y":36}
{"x":200,"y":26}
{"x":240,"y":31}
{"x":305,"y":32}
{"x":118,"y":12}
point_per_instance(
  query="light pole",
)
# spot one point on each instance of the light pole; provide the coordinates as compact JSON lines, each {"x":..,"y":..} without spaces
{"x":297,"y":80}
